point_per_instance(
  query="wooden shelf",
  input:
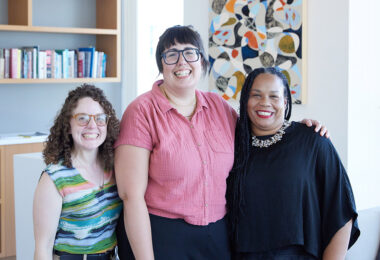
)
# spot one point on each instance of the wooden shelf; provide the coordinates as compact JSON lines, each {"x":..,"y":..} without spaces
{"x":46,"y":29}
{"x":70,"y":80}
{"x":107,"y":32}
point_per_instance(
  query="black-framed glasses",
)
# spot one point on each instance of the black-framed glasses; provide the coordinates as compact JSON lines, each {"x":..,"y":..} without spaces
{"x":83,"y":119}
{"x":189,"y":54}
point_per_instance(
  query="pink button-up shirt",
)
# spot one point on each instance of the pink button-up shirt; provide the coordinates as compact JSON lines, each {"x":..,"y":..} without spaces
{"x":189,"y":160}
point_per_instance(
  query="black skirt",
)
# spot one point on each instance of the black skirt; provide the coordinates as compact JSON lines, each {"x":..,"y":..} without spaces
{"x":176,"y":239}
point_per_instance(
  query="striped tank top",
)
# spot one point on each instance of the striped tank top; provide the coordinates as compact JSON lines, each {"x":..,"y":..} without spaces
{"x":89,"y":213}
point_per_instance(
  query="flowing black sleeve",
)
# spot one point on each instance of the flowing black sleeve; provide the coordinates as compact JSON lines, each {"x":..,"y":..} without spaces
{"x":335,"y":194}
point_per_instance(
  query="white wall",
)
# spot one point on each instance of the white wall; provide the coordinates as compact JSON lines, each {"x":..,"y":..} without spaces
{"x":330,"y":99}
{"x":364,"y":102}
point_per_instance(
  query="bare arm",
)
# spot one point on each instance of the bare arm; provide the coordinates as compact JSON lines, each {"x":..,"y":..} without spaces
{"x":47,"y":206}
{"x":337,"y":248}
{"x":318,"y":127}
{"x":131,"y":170}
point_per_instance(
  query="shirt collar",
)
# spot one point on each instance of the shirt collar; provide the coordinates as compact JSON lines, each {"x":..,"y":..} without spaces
{"x":164,"y":104}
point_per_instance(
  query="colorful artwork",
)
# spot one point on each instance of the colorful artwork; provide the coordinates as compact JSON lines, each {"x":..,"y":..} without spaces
{"x":247,"y":34}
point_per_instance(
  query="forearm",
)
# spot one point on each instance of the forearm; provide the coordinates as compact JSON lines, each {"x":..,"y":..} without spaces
{"x":43,"y":252}
{"x":137,"y":226}
{"x":337,"y":248}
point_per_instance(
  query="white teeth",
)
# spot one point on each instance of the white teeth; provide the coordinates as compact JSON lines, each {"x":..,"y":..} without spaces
{"x":182,"y":73}
{"x":262,"y":113}
{"x":90,"y":136}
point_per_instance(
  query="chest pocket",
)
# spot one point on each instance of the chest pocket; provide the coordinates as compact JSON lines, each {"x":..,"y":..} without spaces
{"x":219,"y":141}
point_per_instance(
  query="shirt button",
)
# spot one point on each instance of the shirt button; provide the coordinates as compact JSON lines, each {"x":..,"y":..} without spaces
{"x":199,"y":144}
{"x":191,"y":126}
{"x":204,"y":162}
{"x":206,"y":205}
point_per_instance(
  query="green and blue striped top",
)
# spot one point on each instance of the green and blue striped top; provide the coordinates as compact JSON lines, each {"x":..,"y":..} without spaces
{"x":89,"y":213}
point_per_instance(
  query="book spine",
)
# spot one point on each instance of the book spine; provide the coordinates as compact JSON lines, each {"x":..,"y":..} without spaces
{"x":29,"y":56}
{"x":100,"y":64}
{"x":65,"y":64}
{"x":7,"y":63}
{"x":24,"y":63}
{"x":13,"y":63}
{"x":48,"y":64}
{"x":19,"y":63}
{"x":75,"y":64}
{"x":80,"y":64}
{"x":34,"y":63}
{"x":94,"y":64}
{"x":70,"y":63}
{"x":2,"y":63}
{"x":104,"y":66}
{"x":42,"y":65}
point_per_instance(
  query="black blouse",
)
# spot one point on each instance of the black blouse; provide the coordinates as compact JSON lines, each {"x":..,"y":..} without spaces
{"x":296,"y":192}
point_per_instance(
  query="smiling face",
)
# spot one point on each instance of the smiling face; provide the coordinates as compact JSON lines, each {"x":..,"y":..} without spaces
{"x":266,"y":104}
{"x":183,"y":74}
{"x":91,"y":136}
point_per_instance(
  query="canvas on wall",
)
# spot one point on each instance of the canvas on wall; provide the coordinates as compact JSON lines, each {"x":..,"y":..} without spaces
{"x":248,"y":34}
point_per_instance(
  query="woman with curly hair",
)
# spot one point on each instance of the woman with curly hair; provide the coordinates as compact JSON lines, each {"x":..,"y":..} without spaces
{"x":76,"y":204}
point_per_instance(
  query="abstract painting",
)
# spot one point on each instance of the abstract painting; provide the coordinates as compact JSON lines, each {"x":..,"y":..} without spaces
{"x":248,"y":34}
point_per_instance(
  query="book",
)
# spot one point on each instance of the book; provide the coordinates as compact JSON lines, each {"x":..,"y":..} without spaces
{"x":104,"y":65}
{"x":35,"y":61}
{"x":42,"y":65}
{"x":81,"y":56}
{"x":70,"y":63}
{"x":89,"y":57}
{"x":48,"y":64}
{"x":94,"y":65}
{"x":99,"y":64}
{"x":13,"y":63}
{"x":65,"y":63}
{"x":57,"y":64}
{"x":6,"y":63}
{"x":24,"y":72}
{"x":2,"y":63}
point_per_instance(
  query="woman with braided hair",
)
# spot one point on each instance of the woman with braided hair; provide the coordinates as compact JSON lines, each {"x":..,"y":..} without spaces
{"x":288,"y":194}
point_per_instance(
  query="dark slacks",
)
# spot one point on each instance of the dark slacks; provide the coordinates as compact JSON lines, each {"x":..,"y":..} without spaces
{"x":175,"y":239}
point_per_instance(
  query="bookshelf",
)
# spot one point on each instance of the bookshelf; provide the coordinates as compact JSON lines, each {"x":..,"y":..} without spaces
{"x":107,"y":33}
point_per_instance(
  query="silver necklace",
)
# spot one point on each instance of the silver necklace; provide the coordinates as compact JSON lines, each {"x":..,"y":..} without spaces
{"x":274,"y":139}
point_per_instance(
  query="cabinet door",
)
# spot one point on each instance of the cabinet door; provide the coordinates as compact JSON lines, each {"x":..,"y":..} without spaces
{"x":8,"y":242}
{"x":2,"y":170}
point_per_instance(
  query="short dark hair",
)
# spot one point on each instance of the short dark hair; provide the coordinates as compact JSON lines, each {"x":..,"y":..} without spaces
{"x":243,"y":134}
{"x":183,"y":35}
{"x":60,"y":142}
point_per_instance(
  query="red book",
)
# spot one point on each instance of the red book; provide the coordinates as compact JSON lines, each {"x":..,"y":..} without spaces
{"x":80,"y":64}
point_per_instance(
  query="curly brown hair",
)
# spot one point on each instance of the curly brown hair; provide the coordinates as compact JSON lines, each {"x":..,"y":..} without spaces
{"x":60,"y":142}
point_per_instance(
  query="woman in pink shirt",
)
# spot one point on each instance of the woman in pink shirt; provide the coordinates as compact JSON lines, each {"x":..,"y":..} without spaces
{"x":173,"y":155}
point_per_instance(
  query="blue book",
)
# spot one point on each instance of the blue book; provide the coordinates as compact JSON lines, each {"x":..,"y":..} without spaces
{"x":104,"y":63}
{"x":89,"y":60}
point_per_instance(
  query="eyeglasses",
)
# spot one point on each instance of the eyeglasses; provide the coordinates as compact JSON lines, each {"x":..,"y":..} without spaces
{"x":172,"y":56}
{"x":83,"y":119}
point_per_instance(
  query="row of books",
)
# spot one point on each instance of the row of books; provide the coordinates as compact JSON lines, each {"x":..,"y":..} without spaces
{"x":32,"y":63}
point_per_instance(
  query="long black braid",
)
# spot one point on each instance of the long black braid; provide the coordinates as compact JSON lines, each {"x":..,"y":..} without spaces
{"x":243,"y":148}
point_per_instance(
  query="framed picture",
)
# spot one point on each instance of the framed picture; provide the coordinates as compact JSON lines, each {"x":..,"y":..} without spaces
{"x":248,"y":34}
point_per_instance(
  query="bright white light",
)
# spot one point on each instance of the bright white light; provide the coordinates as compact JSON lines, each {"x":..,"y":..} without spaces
{"x":153,"y":17}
